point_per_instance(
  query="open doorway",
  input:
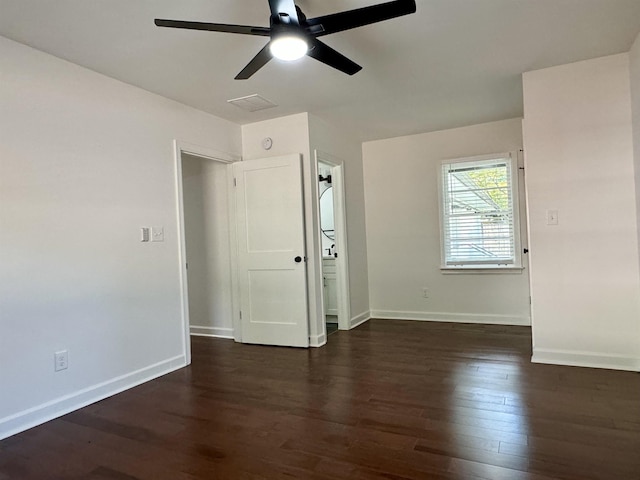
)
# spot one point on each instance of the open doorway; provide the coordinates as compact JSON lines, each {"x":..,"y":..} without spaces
{"x":333,"y":243}
{"x":203,"y":179}
{"x":328,"y":247}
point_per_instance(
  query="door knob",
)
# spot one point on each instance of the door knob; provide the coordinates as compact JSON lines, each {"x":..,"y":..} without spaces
{"x":298,"y":259}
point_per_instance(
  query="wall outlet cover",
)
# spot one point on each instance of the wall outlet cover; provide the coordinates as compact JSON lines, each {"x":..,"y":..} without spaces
{"x":61,"y":360}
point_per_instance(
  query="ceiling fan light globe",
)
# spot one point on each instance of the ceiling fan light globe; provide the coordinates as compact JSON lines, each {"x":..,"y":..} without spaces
{"x":289,"y":48}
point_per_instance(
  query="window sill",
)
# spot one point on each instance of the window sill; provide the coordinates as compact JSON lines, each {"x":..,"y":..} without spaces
{"x":481,"y":270}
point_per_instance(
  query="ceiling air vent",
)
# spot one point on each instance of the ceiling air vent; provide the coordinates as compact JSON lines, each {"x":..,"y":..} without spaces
{"x":252,"y":103}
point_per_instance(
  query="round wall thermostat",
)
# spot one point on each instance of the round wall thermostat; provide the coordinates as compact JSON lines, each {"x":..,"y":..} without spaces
{"x":267,"y":143}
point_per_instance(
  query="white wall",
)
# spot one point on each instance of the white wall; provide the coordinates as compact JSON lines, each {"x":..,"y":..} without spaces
{"x":206,"y":218}
{"x":85,"y":161}
{"x":634,"y":66}
{"x":340,"y":144}
{"x":403,"y":231}
{"x":579,"y":160}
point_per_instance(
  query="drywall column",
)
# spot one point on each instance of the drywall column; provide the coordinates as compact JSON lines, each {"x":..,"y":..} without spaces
{"x":291,"y":135}
{"x":579,"y":161}
{"x":304,"y":133}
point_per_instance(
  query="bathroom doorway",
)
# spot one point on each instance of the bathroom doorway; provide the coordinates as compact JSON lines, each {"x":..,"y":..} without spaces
{"x":333,"y":243}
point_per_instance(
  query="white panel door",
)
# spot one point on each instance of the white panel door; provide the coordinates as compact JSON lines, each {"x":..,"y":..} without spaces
{"x":271,"y":251}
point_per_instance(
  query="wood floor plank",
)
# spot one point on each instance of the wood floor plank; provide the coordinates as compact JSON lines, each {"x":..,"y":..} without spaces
{"x":389,"y":400}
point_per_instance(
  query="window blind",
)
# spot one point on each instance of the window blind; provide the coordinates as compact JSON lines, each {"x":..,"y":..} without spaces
{"x":478,"y":216}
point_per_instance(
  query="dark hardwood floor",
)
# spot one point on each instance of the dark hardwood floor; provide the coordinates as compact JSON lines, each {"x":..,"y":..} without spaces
{"x":389,"y":400}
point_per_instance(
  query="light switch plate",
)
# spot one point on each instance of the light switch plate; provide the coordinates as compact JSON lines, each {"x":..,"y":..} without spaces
{"x":157,"y":234}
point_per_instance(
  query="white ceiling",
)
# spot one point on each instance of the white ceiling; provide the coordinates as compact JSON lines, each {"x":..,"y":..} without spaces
{"x":453,"y":63}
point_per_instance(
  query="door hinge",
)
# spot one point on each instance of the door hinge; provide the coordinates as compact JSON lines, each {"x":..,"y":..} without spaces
{"x":235,"y":182}
{"x":240,"y":314}
{"x":186,"y":266}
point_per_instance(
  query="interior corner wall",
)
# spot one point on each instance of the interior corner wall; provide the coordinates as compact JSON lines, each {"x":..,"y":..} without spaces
{"x":85,"y":161}
{"x":579,"y":160}
{"x":403,"y":231}
{"x":325,"y":138}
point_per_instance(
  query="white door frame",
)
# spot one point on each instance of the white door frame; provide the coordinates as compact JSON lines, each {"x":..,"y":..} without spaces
{"x":340,"y":225}
{"x":180,"y":147}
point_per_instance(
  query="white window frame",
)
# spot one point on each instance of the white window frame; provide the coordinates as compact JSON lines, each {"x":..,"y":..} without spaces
{"x":514,"y":265}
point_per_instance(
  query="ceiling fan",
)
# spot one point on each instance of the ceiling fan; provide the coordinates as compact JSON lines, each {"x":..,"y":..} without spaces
{"x":293,"y":35}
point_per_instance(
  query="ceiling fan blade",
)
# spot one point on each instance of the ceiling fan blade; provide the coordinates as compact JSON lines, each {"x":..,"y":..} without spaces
{"x":259,"y":61}
{"x":359,"y":17}
{"x":325,"y":54}
{"x":214,"y":27}
{"x":287,"y":7}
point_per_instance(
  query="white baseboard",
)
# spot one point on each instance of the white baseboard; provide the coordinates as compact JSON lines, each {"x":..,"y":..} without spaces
{"x":585,"y":359}
{"x":217,"y":332}
{"x":317,"y":340}
{"x":359,"y":319}
{"x":453,"y":317}
{"x":40,"y":414}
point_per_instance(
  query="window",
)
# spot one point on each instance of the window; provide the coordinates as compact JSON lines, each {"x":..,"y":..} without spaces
{"x":479,"y":212}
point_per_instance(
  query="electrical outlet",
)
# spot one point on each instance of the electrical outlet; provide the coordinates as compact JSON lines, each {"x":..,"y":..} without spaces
{"x":425,"y":292}
{"x":61,"y":360}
